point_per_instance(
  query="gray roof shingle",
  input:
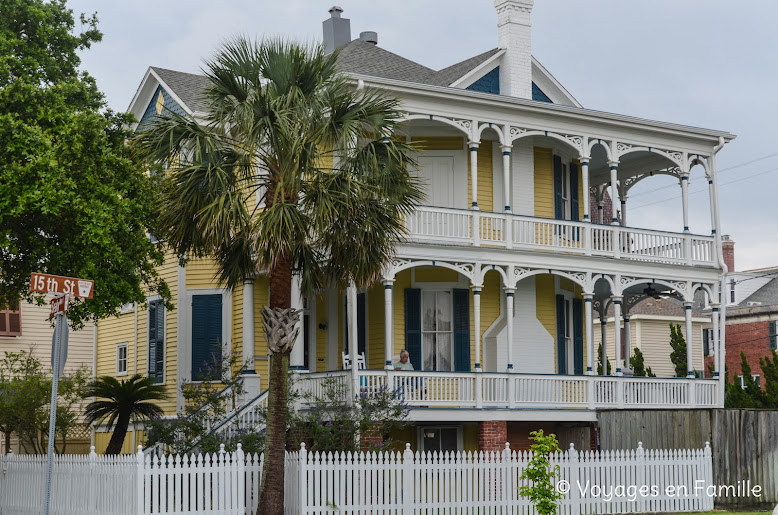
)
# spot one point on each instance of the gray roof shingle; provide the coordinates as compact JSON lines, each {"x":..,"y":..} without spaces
{"x":358,"y":57}
{"x":187,"y":86}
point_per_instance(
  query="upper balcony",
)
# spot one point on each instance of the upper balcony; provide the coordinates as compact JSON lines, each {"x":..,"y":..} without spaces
{"x":450,"y":226}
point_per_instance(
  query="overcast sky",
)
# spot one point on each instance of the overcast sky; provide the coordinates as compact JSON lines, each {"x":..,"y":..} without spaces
{"x":706,"y":63}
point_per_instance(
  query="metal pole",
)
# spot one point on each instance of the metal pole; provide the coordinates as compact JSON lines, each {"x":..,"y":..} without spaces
{"x":53,"y":416}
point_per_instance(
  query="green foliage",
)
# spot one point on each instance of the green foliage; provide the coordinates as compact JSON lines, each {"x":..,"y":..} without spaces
{"x":754,"y":396}
{"x":206,"y":403}
{"x":599,"y":362}
{"x":637,"y":364}
{"x":331,"y":423}
{"x":120,"y":402}
{"x":72,"y":200}
{"x":25,"y":401}
{"x":540,"y":473}
{"x":678,"y":346}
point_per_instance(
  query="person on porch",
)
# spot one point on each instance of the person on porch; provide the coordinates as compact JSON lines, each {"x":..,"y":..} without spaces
{"x":404,"y":362}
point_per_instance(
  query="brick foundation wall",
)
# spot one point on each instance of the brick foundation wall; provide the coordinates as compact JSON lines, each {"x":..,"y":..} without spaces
{"x":370,"y":440}
{"x":492,"y":435}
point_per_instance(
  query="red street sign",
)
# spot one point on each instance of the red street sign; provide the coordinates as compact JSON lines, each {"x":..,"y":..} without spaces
{"x":58,"y":305}
{"x":45,"y":283}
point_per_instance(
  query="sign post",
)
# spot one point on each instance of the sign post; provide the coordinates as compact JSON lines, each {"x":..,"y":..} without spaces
{"x":62,"y":287}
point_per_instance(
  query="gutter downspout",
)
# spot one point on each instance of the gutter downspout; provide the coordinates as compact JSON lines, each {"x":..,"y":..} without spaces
{"x":724,"y":271}
{"x":94,"y":375}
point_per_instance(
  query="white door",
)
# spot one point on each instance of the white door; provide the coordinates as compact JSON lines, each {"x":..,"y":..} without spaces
{"x":437,"y":173}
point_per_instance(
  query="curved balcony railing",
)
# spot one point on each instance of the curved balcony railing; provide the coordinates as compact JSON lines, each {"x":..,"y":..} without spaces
{"x":455,"y":227}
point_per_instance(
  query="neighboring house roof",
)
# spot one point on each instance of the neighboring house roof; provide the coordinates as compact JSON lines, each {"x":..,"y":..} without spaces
{"x":767,"y":295}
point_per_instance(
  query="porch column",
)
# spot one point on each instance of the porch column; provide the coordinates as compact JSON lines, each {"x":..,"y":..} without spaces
{"x":623,"y":210}
{"x":248,"y":327}
{"x":509,"y":320}
{"x":617,"y":333}
{"x":473,"y":145}
{"x":614,"y":191}
{"x":627,"y":341}
{"x":685,"y":200}
{"x":477,"y":324}
{"x":689,"y":347}
{"x":600,"y":212}
{"x":388,"y":323}
{"x":297,"y":355}
{"x":603,"y":343}
{"x":585,"y":187}
{"x":506,"y":176}
{"x":714,"y":322}
{"x":351,"y":324}
{"x":589,"y":334}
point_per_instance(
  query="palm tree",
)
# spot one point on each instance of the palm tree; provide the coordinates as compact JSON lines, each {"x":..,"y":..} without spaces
{"x":121,"y":402}
{"x":284,"y":127}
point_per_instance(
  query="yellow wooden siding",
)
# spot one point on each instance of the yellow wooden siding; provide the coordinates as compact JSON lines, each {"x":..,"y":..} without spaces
{"x":102,"y":440}
{"x":435,"y":274}
{"x":490,"y":310}
{"x":544,"y":183}
{"x":261,"y":299}
{"x":470,"y":437}
{"x":401,"y":282}
{"x":236,"y":346}
{"x":439,"y":142}
{"x":485,"y":178}
{"x":375,"y":327}
{"x":168,"y":272}
{"x":545,"y":299}
{"x":200,"y":273}
{"x":321,"y":334}
{"x":110,"y":332}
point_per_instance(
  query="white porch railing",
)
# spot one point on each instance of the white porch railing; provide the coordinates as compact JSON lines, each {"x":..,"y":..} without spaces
{"x":455,"y":227}
{"x":495,"y":390}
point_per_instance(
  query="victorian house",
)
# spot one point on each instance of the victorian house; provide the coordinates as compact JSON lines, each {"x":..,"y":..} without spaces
{"x":522,"y":245}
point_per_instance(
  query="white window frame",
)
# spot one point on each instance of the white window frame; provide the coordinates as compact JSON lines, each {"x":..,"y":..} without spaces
{"x":755,"y":377}
{"x":451,"y":331}
{"x":185,"y":350}
{"x":566,"y":193}
{"x":420,"y":435}
{"x":119,"y":347}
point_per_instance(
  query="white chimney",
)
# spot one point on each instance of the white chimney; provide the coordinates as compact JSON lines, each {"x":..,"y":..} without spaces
{"x":514,"y":29}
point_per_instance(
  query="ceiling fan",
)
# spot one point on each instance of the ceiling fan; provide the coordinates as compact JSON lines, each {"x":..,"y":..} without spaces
{"x":650,"y":291}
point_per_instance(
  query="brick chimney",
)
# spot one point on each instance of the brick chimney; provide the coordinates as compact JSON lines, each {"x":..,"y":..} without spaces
{"x":728,"y":249}
{"x":337,"y":30}
{"x":514,"y":29}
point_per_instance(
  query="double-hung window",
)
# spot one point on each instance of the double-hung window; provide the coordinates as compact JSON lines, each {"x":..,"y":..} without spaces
{"x":11,"y":320}
{"x":121,"y":359}
{"x":437,"y":330}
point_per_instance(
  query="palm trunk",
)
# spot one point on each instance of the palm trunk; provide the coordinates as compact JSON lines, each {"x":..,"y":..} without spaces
{"x":271,"y":497}
{"x":117,"y":438}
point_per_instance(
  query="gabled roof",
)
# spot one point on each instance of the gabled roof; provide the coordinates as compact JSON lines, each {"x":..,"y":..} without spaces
{"x":767,"y":295}
{"x":448,"y":76}
{"x":187,"y":86}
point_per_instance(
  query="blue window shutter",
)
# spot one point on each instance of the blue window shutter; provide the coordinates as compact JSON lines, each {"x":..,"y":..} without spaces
{"x":462,"y":330}
{"x":772,"y":331}
{"x":706,"y":342}
{"x":156,"y":350}
{"x":413,"y":326}
{"x":361,"y":322}
{"x":206,"y":334}
{"x":559,"y":211}
{"x":578,"y":347}
{"x":560,"y":334}
{"x":574,"y":192}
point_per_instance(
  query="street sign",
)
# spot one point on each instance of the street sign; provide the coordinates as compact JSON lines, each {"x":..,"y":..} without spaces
{"x":46,"y":283}
{"x":58,"y":305}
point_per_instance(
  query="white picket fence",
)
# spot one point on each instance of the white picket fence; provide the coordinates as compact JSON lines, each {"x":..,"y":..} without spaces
{"x":632,"y":481}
